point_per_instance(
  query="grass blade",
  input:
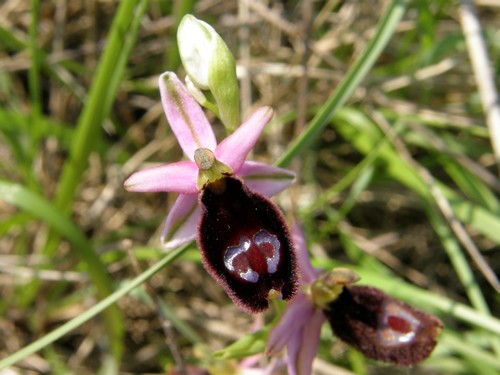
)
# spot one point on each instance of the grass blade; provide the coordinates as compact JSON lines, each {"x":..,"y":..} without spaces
{"x":39,"y":207}
{"x":353,"y":78}
{"x":102,"y":92}
{"x":92,"y":312}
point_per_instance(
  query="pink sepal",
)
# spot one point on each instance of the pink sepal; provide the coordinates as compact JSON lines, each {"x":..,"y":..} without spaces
{"x":266,"y":179}
{"x":182,"y":222}
{"x":177,"y":177}
{"x":234,"y":149}
{"x":185,"y":116}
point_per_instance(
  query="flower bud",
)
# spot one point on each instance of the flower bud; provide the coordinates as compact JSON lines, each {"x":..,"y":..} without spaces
{"x":210,"y":66}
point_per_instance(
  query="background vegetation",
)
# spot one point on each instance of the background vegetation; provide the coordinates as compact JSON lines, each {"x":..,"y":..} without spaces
{"x":377,"y":109}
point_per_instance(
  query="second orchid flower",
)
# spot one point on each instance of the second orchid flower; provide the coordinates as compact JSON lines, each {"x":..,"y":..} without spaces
{"x":376,"y":324}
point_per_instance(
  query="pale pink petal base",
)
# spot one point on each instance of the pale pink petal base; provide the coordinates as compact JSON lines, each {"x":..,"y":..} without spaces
{"x":295,"y":316}
{"x":182,"y":222}
{"x":234,"y":149}
{"x":177,"y":177}
{"x":265,"y":178}
{"x":307,"y":272}
{"x":303,"y":347}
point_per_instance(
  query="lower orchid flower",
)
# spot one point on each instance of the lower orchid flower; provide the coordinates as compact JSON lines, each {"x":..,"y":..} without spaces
{"x":374,"y":323}
{"x":243,"y":238}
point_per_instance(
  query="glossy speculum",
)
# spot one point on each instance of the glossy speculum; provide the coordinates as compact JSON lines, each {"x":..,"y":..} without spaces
{"x":246,"y":245}
{"x":382,"y":327}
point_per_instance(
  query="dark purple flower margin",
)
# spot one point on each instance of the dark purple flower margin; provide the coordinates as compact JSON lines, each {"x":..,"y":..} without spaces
{"x":246,"y":246}
{"x":382,"y":327}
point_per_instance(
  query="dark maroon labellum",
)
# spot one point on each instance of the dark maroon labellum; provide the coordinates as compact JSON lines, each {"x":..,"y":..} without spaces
{"x":382,"y":327}
{"x":246,"y":245}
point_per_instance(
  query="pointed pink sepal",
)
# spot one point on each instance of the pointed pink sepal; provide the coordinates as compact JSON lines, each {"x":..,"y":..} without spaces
{"x":307,"y":272}
{"x":234,"y":149}
{"x":185,"y":116}
{"x":177,"y":177}
{"x":265,"y":178}
{"x":294,"y":318}
{"x":182,"y":222}
{"x":303,"y":346}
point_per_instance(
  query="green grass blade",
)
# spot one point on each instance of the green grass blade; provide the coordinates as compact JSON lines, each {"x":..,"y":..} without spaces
{"x":179,"y":324}
{"x":97,"y":106}
{"x":91,"y":312}
{"x":471,"y":185}
{"x":34,"y":70}
{"x":10,"y":40}
{"x":363,"y":134}
{"x":353,"y":78}
{"x":39,"y":207}
{"x":180,"y":8}
{"x":483,"y":359}
{"x":102,"y":92}
{"x":459,"y":261}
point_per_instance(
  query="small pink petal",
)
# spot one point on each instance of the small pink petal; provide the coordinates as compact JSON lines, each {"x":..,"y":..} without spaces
{"x":295,"y":316}
{"x":182,"y":221}
{"x":308,"y":273}
{"x":303,"y":347}
{"x":265,"y":178}
{"x":249,"y":362}
{"x":177,"y":177}
{"x":234,"y":149}
{"x":185,"y":116}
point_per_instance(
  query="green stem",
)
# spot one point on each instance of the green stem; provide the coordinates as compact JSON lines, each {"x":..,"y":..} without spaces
{"x":34,"y":70}
{"x":102,"y":93}
{"x":39,"y":207}
{"x":92,"y":312}
{"x":110,"y":70}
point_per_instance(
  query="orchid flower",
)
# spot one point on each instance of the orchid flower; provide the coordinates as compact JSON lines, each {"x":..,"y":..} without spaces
{"x":193,"y":131}
{"x":243,"y":238}
{"x":374,"y":323}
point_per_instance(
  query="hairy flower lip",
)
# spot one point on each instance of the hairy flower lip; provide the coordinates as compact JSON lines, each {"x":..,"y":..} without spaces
{"x":360,"y":318}
{"x":246,"y":246}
